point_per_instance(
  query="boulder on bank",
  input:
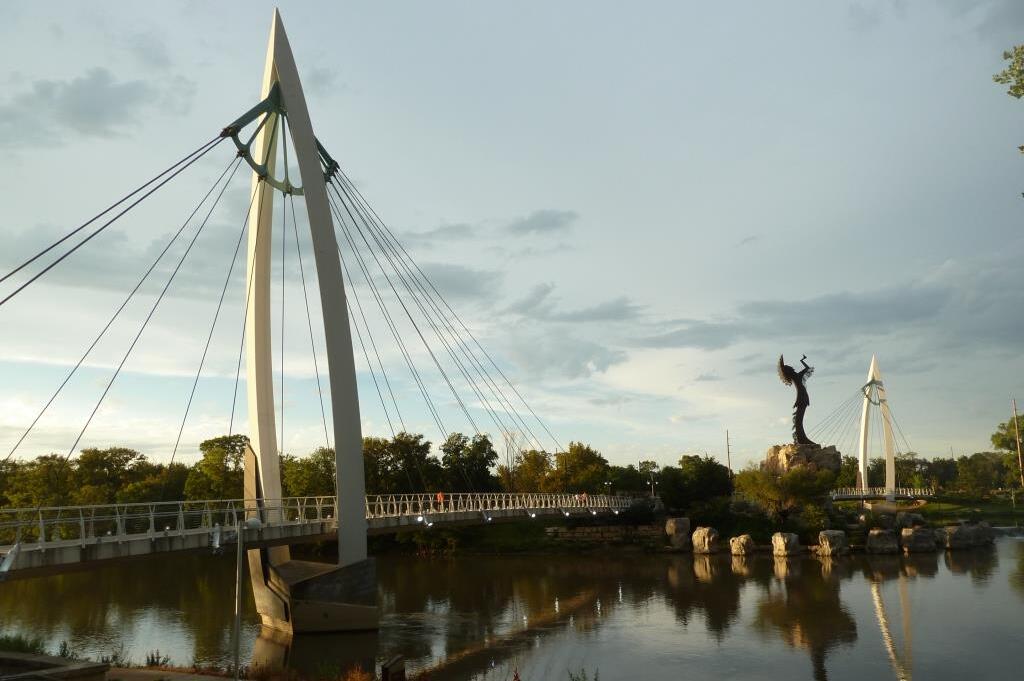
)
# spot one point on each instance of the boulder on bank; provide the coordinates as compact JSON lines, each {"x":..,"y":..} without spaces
{"x":784,"y":458}
{"x":881,"y":541}
{"x":742,"y":545}
{"x":678,"y":531}
{"x":905,"y":519}
{"x":967,"y":536}
{"x":785,"y":544}
{"x":917,"y":540}
{"x":705,"y":540}
{"x":832,"y":543}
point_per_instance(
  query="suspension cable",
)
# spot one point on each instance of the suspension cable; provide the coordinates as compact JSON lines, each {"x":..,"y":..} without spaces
{"x":455,"y":315}
{"x":142,"y":328}
{"x":309,"y":322}
{"x":433,"y":326}
{"x":109,"y":222}
{"x":117,"y":313}
{"x":367,"y":277}
{"x":504,"y":403}
{"x":419,"y":333}
{"x":216,"y":315}
{"x":351,"y":287}
{"x":106,"y":210}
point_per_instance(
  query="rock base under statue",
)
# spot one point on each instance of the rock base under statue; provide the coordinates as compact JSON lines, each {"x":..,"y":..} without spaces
{"x":784,"y":458}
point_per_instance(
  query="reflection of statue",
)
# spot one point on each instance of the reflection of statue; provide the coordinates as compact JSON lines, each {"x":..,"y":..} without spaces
{"x":790,"y":376}
{"x":808,"y":614}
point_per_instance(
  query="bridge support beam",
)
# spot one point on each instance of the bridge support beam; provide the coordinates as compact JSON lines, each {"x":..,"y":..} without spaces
{"x":295,"y":595}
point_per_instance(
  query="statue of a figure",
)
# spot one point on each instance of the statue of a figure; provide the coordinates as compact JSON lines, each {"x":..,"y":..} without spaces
{"x":790,"y":376}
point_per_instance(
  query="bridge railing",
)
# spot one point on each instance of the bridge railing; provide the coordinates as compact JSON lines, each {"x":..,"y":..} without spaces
{"x":392,"y":505}
{"x":41,"y":526}
{"x":62,"y":523}
{"x":858,"y":493}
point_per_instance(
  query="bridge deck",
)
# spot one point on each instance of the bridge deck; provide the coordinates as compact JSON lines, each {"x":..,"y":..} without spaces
{"x":34,"y":541}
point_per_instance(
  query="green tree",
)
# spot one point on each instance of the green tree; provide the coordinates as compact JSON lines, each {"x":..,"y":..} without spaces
{"x":467,"y":463}
{"x":706,"y":477}
{"x":99,"y":474}
{"x":942,"y":472}
{"x":626,"y":479}
{"x":911,"y":470}
{"x":672,"y":488}
{"x":979,"y":473}
{"x":529,"y":472}
{"x":309,"y":476}
{"x":218,"y":474}
{"x":44,"y":481}
{"x":781,"y":495}
{"x":580,"y":469}
{"x":410,"y":467}
{"x":378,"y":464}
{"x":697,"y":480}
{"x":847,"y":476}
{"x":648,"y":468}
{"x":159,"y":482}
{"x":1013,"y":75}
{"x":1005,"y":440}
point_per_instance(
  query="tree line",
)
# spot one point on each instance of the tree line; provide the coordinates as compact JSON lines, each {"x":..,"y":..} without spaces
{"x":406,"y":463}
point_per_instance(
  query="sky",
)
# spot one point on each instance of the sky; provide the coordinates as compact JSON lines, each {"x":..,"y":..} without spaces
{"x":636,"y":207}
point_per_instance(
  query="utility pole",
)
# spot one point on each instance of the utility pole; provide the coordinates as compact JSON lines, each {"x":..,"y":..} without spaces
{"x":1016,"y":430}
{"x":728,"y":452}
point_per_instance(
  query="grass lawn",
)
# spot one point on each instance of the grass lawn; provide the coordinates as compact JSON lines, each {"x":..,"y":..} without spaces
{"x":995,"y":510}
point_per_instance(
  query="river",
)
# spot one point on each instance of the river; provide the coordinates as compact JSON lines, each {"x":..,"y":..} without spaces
{"x":626,"y":616}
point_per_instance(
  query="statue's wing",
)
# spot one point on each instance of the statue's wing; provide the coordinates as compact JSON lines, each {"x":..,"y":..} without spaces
{"x":808,"y":373}
{"x":782,"y":373}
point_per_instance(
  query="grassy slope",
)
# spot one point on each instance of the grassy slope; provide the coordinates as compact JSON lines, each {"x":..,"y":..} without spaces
{"x":996,"y":510}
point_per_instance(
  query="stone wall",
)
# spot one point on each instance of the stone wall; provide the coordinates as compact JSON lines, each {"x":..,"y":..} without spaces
{"x":608,"y":534}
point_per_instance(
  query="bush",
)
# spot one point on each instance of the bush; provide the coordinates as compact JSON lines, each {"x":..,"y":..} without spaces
{"x":809,"y":522}
{"x":16,"y":643}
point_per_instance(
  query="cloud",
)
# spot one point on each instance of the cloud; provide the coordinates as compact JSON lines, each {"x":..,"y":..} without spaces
{"x":114,"y":261}
{"x":557,"y":354}
{"x":958,"y":305}
{"x":150,"y":49}
{"x":707,"y":377}
{"x":617,"y":309}
{"x":545,"y":221}
{"x":458,"y":281}
{"x":1001,"y":17}
{"x":865,"y":17}
{"x":747,"y":240}
{"x":538,"y":304}
{"x":609,"y":400}
{"x":453,"y":232}
{"x":533,"y":301}
{"x":92,"y":105}
{"x":322,"y":80}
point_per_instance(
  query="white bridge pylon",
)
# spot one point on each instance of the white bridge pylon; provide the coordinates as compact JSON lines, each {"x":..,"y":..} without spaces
{"x":280,"y":70}
{"x":295,"y":595}
{"x":875,"y":398}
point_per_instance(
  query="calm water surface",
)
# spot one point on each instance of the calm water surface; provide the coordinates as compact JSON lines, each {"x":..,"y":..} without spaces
{"x":943,"y":616}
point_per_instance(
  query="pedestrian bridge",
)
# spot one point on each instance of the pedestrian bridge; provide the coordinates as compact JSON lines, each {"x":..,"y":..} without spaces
{"x":39,"y":540}
{"x":858,"y":494}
